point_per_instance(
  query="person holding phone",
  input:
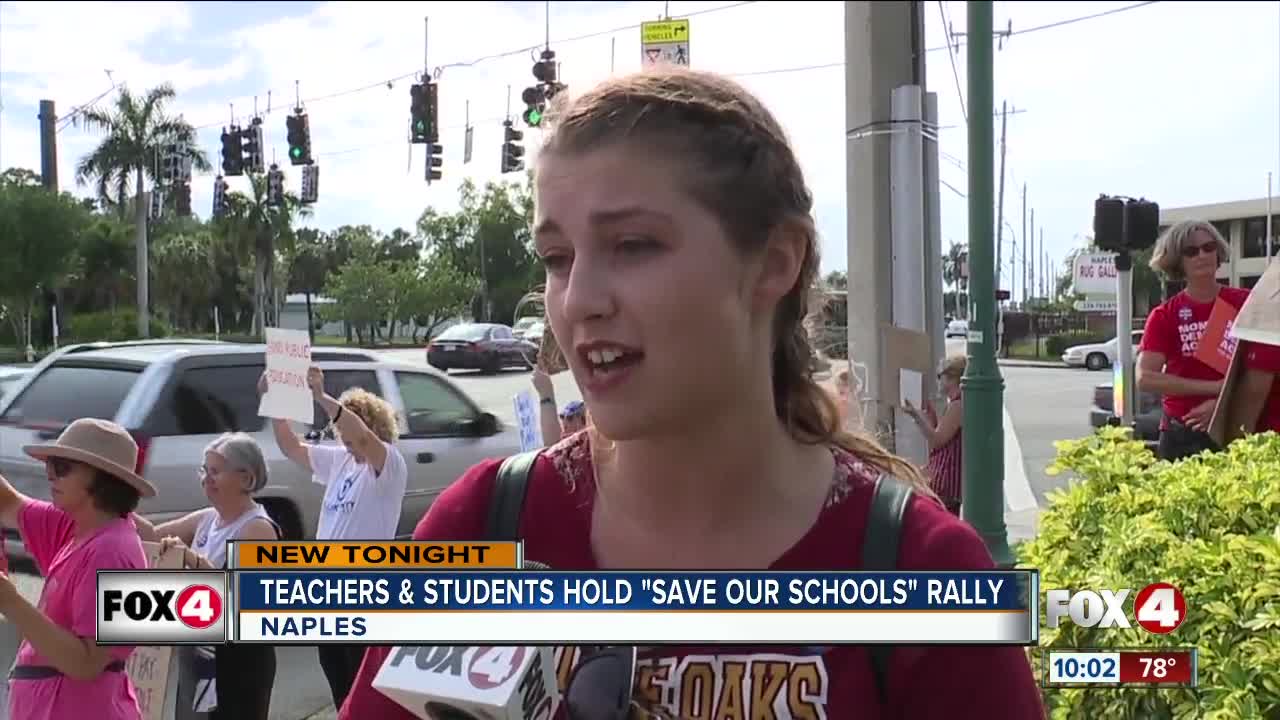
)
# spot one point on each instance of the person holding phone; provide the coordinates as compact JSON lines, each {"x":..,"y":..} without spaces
{"x":946,"y":447}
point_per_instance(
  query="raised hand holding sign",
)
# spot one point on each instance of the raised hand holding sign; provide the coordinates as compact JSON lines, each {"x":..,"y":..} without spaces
{"x":288,"y":394}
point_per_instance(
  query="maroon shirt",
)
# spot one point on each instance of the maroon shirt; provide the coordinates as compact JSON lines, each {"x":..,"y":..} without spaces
{"x":753,"y":682}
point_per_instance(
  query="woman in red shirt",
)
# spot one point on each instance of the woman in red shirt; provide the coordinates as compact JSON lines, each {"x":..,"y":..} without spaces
{"x":676,"y":229}
{"x":1190,"y":251}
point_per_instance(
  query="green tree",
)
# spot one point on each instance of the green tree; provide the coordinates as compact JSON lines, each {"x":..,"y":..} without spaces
{"x":307,"y":263}
{"x":137,"y":128}
{"x":103,"y":275}
{"x":254,"y":228}
{"x":39,"y":232}
{"x":360,"y":291}
{"x":442,"y":292}
{"x":182,"y":263}
{"x":488,"y":238}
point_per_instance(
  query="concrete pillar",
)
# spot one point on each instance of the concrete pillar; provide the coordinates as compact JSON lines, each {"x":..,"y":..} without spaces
{"x":879,"y":38}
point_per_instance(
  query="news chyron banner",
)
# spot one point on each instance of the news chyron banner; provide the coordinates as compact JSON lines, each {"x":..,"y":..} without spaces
{"x":423,"y":593}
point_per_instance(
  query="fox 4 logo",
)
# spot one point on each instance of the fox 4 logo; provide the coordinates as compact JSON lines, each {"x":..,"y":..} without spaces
{"x":1158,"y":608}
{"x":160,"y":607}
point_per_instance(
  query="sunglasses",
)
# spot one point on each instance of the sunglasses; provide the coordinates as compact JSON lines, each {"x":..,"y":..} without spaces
{"x":599,"y":687}
{"x":1191,"y":251}
{"x":62,"y":467}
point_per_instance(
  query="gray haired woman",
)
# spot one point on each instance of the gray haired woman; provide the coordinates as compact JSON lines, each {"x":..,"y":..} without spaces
{"x":233,"y":470}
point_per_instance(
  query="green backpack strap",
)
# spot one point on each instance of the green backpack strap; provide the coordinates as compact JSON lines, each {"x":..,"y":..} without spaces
{"x":880,"y":553}
{"x":508,"y":496}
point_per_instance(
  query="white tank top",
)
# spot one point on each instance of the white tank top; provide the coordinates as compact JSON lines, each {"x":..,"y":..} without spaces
{"x":211,"y":538}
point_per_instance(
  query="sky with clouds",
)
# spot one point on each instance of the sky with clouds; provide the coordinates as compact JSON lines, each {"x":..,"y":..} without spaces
{"x":1175,"y":101}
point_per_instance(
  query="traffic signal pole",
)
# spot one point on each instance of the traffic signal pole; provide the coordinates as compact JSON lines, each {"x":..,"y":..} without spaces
{"x":983,"y":501}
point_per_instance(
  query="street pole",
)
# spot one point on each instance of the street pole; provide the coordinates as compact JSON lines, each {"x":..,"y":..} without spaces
{"x":1004,"y":124}
{"x":933,"y":247}
{"x":48,"y":145}
{"x":879,"y":54}
{"x":983,"y":502}
{"x":1024,"y":211}
{"x":906,"y":168}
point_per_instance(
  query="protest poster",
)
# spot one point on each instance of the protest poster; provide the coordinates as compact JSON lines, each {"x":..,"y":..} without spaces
{"x":1217,"y":345}
{"x":528,"y":421}
{"x":151,"y":668}
{"x":288,"y":359}
{"x":1258,"y":321}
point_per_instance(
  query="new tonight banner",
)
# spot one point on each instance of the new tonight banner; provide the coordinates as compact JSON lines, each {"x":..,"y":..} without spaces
{"x":498,"y":607}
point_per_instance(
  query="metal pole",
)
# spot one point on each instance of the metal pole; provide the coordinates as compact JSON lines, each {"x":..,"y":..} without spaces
{"x":983,"y":505}
{"x":1268,"y":218}
{"x":1124,"y":338}
{"x":1004,"y":118}
{"x":906,"y":170}
{"x":1024,"y":211}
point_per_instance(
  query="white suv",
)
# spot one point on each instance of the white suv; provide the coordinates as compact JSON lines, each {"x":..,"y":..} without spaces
{"x":177,"y":396}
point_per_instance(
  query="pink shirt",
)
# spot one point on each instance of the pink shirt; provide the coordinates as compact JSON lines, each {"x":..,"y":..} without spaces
{"x":69,"y":599}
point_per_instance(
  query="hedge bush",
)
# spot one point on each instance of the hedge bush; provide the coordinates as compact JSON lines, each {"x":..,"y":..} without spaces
{"x":1055,"y":345}
{"x":112,"y":326}
{"x":1210,"y":525}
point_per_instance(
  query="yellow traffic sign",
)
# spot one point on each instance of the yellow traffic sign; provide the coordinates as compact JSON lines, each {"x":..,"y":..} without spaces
{"x":664,"y":31}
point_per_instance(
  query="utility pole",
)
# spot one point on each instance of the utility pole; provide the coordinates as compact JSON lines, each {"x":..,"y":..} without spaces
{"x":48,"y":145}
{"x":1031,"y":234}
{"x":1024,"y":211}
{"x":883,"y":43}
{"x":983,"y":502}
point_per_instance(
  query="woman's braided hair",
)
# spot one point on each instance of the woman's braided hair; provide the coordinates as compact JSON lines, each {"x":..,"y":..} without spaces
{"x":742,"y":169}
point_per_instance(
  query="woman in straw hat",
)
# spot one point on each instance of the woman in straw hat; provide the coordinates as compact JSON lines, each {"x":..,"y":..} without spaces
{"x":234,"y":470}
{"x":60,"y":671}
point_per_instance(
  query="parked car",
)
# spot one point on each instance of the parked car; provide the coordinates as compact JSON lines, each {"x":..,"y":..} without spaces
{"x":957,"y":329}
{"x":480,"y":346}
{"x":9,"y":377}
{"x":1146,"y":416}
{"x":521,"y":328}
{"x":1098,"y":356}
{"x":177,"y":396}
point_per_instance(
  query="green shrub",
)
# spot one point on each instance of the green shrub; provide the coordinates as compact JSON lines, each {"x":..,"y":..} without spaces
{"x":112,"y":326}
{"x":1210,"y":525}
{"x":1055,"y":345}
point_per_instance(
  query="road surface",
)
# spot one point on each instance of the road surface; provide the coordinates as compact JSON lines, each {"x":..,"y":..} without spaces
{"x":1043,"y":404}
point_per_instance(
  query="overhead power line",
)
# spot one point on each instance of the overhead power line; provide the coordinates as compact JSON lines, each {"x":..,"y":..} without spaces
{"x":1058,"y":23}
{"x":525,"y":50}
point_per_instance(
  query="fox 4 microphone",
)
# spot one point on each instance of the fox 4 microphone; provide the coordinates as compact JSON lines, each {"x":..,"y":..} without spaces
{"x":469,"y":682}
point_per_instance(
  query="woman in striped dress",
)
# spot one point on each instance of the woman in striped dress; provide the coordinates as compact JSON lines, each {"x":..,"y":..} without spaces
{"x":946,"y":462}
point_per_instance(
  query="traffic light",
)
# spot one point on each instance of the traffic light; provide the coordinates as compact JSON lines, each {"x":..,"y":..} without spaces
{"x":1125,"y":225}
{"x":182,"y":199}
{"x":424,"y":113}
{"x":310,"y":184}
{"x":299,"y":137}
{"x":434,"y":161}
{"x":232,"y":152}
{"x":219,"y":196}
{"x":544,"y":71}
{"x":275,"y":186}
{"x":512,"y":154}
{"x":535,"y":98}
{"x":252,"y":144}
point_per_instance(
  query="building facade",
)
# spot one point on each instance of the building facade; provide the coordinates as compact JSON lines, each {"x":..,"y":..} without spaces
{"x":1244,"y":224}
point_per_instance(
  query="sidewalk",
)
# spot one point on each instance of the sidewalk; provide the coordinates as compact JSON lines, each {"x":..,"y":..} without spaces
{"x":1017,"y":362}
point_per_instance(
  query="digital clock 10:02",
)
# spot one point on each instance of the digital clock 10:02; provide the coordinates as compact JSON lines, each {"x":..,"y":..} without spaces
{"x":1084,"y":667}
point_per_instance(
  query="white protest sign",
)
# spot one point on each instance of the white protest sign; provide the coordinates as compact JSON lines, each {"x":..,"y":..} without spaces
{"x":149,"y":667}
{"x":288,"y":359}
{"x":527,"y":420}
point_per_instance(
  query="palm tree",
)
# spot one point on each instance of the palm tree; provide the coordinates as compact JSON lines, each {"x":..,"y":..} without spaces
{"x":252,"y":226}
{"x":137,"y":128}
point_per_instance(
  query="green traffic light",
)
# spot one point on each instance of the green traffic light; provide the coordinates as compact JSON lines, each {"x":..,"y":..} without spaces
{"x":420,"y":126}
{"x":295,"y":152}
{"x":535,"y":117}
